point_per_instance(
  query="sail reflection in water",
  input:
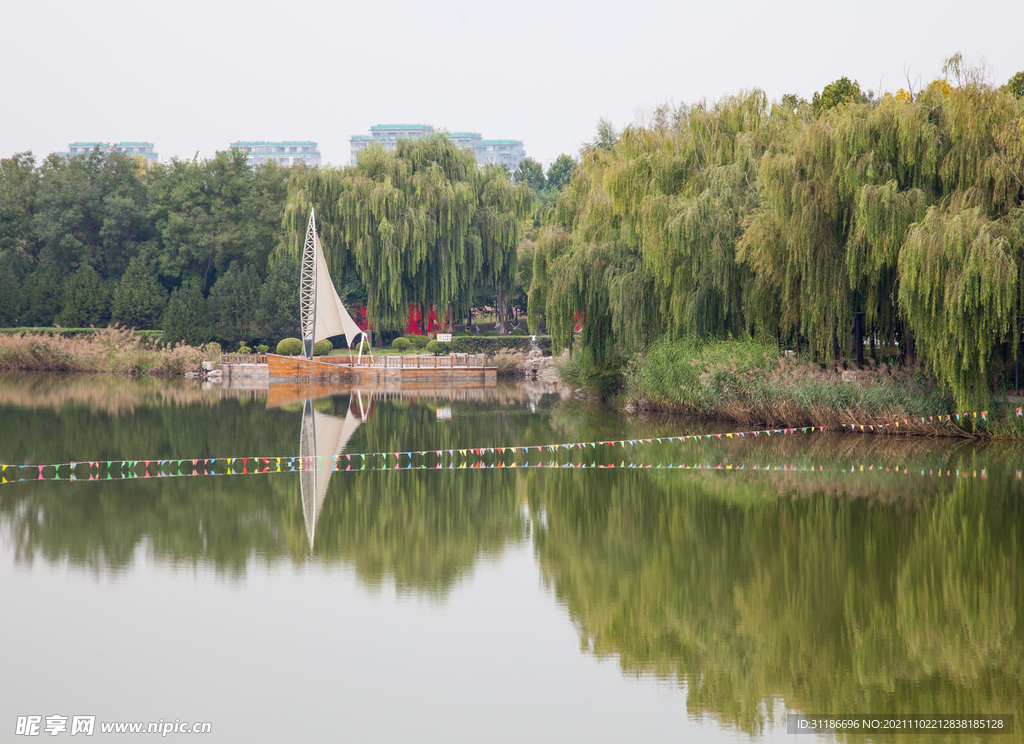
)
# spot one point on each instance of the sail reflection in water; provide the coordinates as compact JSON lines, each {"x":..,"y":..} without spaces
{"x":324,"y":436}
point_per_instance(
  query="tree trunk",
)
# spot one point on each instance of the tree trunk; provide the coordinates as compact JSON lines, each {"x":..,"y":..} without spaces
{"x":502,"y":302}
{"x":908,"y":347}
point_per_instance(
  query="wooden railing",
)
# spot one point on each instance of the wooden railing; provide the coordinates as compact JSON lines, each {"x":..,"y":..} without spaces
{"x":243,"y":358}
{"x":382,"y":362}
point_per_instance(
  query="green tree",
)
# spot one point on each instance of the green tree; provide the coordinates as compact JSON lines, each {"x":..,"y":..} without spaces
{"x":234,"y":304}
{"x":19,"y":187}
{"x":837,"y":92}
{"x":43,"y":293}
{"x":212,"y":212}
{"x":139,"y":299}
{"x":92,"y":210}
{"x":86,"y":300}
{"x":560,"y":172}
{"x":187,"y":317}
{"x":531,"y":173}
{"x":421,"y":224}
{"x":278,"y":314}
{"x":1015,"y":85}
{"x":642,"y":240}
{"x":607,"y":136}
{"x":14,"y":267}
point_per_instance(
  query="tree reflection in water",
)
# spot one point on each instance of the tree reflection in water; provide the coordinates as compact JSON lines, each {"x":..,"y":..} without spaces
{"x":829,"y":590}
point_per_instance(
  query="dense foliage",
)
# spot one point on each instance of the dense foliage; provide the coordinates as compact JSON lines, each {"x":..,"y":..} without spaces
{"x":187,"y":246}
{"x":789,"y":220}
{"x":419,"y":224}
{"x":206,"y":249}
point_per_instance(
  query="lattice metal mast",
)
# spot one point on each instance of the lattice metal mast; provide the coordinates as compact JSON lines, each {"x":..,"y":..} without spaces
{"x":307,"y":288}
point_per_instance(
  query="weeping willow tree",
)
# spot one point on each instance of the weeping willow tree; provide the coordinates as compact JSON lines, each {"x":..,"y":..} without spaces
{"x":420,"y":224}
{"x":643,"y":239}
{"x":856,"y":209}
{"x":790,"y":222}
{"x":959,"y":286}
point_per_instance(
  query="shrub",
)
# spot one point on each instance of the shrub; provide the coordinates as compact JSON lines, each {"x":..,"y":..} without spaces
{"x":420,"y":342}
{"x":289,"y":347}
{"x":243,"y":349}
{"x":519,"y":332}
{"x":437,"y":348}
{"x":491,"y":333}
{"x":489,"y":344}
{"x":323,"y":347}
{"x":400,"y":344}
{"x":262,"y":348}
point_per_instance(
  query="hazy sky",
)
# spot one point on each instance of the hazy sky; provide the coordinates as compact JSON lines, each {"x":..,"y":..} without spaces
{"x":195,"y":75}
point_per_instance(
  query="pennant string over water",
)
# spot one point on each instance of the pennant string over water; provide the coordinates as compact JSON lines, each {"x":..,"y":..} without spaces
{"x":442,"y":458}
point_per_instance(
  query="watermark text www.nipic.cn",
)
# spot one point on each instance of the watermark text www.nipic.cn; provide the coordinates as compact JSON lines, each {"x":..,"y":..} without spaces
{"x":87,"y":726}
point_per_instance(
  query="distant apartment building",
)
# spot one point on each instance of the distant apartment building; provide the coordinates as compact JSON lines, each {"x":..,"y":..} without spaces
{"x":499,"y":151}
{"x":141,"y":149}
{"x":282,"y":153}
{"x":387,"y":136}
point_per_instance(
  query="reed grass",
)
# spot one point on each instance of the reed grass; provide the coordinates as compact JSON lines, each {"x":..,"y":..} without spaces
{"x":509,"y":363}
{"x":752,"y":383}
{"x":111,"y":350}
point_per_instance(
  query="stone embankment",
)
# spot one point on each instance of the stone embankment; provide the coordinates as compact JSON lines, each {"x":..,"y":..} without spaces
{"x":536,"y":366}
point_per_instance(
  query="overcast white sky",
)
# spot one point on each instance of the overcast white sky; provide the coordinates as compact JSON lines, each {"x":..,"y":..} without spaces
{"x":195,"y":75}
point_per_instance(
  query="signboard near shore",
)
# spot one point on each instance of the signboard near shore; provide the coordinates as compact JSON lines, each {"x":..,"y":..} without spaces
{"x":444,"y":338}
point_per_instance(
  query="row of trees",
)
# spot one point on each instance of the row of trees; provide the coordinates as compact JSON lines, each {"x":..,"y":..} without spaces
{"x":791,"y":219}
{"x":100,"y":238}
{"x":208,"y":249}
{"x":420,"y":224}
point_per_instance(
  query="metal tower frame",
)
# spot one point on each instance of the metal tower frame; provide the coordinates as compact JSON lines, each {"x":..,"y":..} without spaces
{"x":307,"y":288}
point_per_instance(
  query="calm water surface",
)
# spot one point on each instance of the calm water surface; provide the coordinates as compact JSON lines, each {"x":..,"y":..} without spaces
{"x":549,"y":605}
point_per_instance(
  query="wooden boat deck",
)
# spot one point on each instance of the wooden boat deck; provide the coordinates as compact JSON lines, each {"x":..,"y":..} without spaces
{"x":463,"y":368}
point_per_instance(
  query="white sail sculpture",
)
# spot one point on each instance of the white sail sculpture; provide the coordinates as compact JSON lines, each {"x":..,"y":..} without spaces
{"x":321,"y":310}
{"x":323,"y":436}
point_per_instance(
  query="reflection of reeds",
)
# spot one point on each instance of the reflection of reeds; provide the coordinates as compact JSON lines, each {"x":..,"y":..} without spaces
{"x":111,"y":395}
{"x":119,"y":351}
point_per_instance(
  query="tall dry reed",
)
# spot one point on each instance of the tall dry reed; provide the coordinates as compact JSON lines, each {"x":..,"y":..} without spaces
{"x":112,"y":350}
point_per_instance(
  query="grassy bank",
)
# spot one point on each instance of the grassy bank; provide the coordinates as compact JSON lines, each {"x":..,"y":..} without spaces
{"x":118,"y":351}
{"x":754,"y":384}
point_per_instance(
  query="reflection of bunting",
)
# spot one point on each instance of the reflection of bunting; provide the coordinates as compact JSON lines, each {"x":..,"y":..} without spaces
{"x":16,"y":473}
{"x":433,"y":459}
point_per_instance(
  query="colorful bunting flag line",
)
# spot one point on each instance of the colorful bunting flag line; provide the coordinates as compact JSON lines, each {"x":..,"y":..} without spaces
{"x":267,"y":466}
{"x":126,"y":469}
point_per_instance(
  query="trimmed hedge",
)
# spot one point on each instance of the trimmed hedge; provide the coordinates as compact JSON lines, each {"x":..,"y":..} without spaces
{"x":437,"y":348}
{"x":400,"y":344}
{"x":147,"y":335}
{"x":323,"y":347}
{"x":289,"y":346}
{"x":420,"y":342}
{"x":489,"y":344}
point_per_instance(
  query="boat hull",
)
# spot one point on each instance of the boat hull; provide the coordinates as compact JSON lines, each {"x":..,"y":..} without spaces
{"x":422,"y":370}
{"x":300,"y":368}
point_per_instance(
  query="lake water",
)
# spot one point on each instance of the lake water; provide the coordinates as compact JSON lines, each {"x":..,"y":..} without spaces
{"x":495,"y":604}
